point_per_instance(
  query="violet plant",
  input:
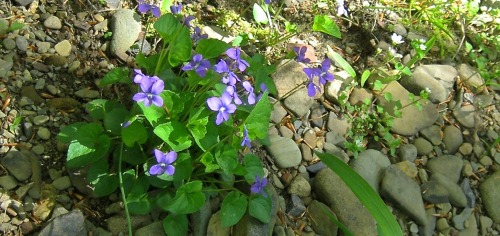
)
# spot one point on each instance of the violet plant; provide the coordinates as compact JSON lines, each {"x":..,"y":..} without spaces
{"x":197,"y":106}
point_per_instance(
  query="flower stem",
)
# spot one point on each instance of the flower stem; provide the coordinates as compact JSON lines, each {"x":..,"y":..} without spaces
{"x":122,"y":190}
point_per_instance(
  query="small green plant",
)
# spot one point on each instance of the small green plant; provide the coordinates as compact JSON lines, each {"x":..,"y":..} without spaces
{"x":186,"y":136}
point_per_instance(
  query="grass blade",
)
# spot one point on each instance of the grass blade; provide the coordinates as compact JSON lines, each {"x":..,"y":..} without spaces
{"x":387,"y":224}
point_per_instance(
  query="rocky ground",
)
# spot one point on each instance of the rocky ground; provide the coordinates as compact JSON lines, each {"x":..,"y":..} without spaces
{"x":444,"y":178}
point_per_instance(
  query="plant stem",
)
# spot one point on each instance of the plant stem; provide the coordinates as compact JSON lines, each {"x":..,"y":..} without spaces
{"x":122,"y":190}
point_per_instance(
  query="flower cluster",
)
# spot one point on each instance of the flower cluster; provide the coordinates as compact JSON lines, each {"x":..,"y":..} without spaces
{"x":226,"y":68}
{"x":151,"y":87}
{"x":321,"y":72}
{"x":145,"y":8}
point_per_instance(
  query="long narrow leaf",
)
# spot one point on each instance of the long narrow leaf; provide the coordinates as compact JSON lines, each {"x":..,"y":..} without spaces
{"x":386,"y":222}
{"x":342,"y":62}
{"x":336,"y":222}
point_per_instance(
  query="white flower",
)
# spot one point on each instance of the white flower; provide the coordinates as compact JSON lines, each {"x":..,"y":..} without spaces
{"x":340,"y":9}
{"x":394,"y":53}
{"x":397,"y":39}
{"x":422,"y":47}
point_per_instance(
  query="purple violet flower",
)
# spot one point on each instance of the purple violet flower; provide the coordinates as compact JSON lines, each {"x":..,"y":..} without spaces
{"x":144,"y":8}
{"x":259,"y":185}
{"x":249,"y":89}
{"x":246,"y":140}
{"x":301,"y":54}
{"x":151,"y":88}
{"x":231,"y":90}
{"x":323,"y":73}
{"x":164,"y":163}
{"x":197,"y":35}
{"x":223,"y":106}
{"x":197,"y":64}
{"x":228,"y":77}
{"x":235,"y":54}
{"x":187,"y":21}
{"x":176,"y":9}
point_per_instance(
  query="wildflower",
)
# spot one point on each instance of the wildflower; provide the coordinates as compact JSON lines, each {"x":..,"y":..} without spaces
{"x":259,"y":185}
{"x":144,"y":8}
{"x":228,"y":77}
{"x":231,"y":90}
{"x":394,"y":53}
{"x":422,"y":47}
{"x":235,"y":54}
{"x":197,"y":35}
{"x":249,"y":90}
{"x":187,"y":21}
{"x":151,"y":88}
{"x":397,"y":39}
{"x":323,"y":73}
{"x":197,"y":64}
{"x":176,"y":9}
{"x":301,"y":54}
{"x":223,"y":106}
{"x":164,"y":163}
{"x":246,"y":139}
{"x":311,"y":87}
{"x":340,"y":9}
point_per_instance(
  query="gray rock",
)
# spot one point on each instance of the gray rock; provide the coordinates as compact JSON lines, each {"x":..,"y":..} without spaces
{"x":321,"y":223}
{"x":490,"y":195}
{"x":469,"y":194}
{"x":448,"y":165}
{"x":63,"y":48}
{"x":52,"y":22}
{"x":62,"y":183}
{"x":24,"y":2}
{"x":9,"y":43}
{"x":21,"y":43}
{"x":439,"y":79}
{"x":299,"y":102}
{"x":400,"y":30}
{"x":18,"y":164}
{"x":331,"y":190}
{"x":433,"y":134}
{"x":466,"y":116}
{"x":370,"y":165}
{"x":471,"y":78}
{"x":424,"y":147}
{"x":359,"y":95}
{"x":118,"y":224}
{"x":285,"y":152}
{"x":455,"y":193}
{"x":40,"y":120}
{"x":334,"y":124}
{"x":428,"y":229}
{"x":452,"y":139}
{"x":155,"y":228}
{"x":407,"y":152}
{"x":278,"y":113}
{"x":296,"y":206}
{"x":126,"y":26}
{"x":459,"y":220}
{"x":8,"y":182}
{"x":43,"y":133}
{"x":405,"y":192}
{"x":72,"y":223}
{"x":215,"y":226}
{"x":299,"y":186}
{"x":412,"y":120}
